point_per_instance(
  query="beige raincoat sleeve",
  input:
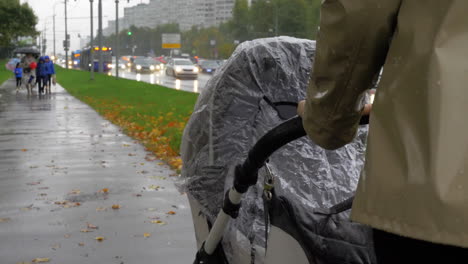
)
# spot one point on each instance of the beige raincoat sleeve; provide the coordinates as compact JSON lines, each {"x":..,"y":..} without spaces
{"x":352,"y":45}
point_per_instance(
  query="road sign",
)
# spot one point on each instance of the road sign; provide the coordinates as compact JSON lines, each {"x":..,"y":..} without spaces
{"x":171,"y":41}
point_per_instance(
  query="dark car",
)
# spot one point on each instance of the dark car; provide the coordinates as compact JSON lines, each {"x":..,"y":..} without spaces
{"x":146,"y":65}
{"x":208,"y":66}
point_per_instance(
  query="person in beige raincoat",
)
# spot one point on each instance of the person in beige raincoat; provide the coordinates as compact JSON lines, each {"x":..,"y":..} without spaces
{"x":414,"y":188}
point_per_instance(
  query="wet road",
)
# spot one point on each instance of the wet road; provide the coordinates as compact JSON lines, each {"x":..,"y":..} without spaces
{"x":63,"y":168}
{"x":168,"y":81}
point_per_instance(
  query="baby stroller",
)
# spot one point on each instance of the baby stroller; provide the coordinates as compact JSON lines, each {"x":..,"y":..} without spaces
{"x":296,"y":196}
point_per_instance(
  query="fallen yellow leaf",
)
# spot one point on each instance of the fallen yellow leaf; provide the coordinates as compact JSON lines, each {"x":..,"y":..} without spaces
{"x":90,"y":226}
{"x":75,"y":191}
{"x":24,"y":150}
{"x":2,"y":220}
{"x":171,"y":213}
{"x":146,"y":235}
{"x":158,"y":222}
{"x":41,"y":260}
{"x":115,"y":206}
{"x":81,"y":244}
{"x":84,"y":230}
{"x":23,"y":262}
{"x":105,"y":190}
{"x":100,"y":239}
{"x":101,"y":209}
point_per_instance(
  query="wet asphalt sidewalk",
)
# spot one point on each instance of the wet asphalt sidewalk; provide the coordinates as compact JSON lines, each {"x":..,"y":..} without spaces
{"x":63,"y":168}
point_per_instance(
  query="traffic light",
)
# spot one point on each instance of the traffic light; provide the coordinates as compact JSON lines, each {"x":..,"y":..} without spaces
{"x":129,"y":33}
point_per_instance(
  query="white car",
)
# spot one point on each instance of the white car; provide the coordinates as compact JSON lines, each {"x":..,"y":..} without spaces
{"x":182,"y":68}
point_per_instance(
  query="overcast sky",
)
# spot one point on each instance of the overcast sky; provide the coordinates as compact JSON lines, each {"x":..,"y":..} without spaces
{"x":78,"y":13}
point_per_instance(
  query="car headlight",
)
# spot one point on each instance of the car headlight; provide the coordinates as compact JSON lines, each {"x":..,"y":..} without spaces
{"x":158,"y":67}
{"x":129,"y":64}
{"x":178,"y":69}
{"x":123,"y":66}
{"x":138,"y":67}
{"x":110,"y":66}
{"x":89,"y":65}
{"x":75,"y":62}
{"x":152,"y":67}
{"x":195,"y":69}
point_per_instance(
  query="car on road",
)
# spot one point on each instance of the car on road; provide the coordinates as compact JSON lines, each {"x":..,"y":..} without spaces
{"x":146,"y":65}
{"x":122,"y":64}
{"x":208,"y":66}
{"x":181,"y":68}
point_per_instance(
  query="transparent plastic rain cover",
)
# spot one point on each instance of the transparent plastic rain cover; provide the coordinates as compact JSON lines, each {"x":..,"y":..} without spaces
{"x":233,"y":112}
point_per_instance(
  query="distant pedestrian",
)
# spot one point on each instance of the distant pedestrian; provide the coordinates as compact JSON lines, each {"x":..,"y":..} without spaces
{"x":41,"y":74}
{"x":29,"y":65}
{"x":50,"y":73}
{"x":18,"y":75}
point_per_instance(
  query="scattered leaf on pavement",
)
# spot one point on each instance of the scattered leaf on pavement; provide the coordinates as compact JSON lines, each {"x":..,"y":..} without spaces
{"x":158,"y":222}
{"x":100,"y":239}
{"x":24,"y":150}
{"x":171,"y":213}
{"x":101,"y":209}
{"x":75,"y":191}
{"x":116,"y":206}
{"x":104,"y":190}
{"x":67,"y":236}
{"x":81,"y":244}
{"x":90,"y":226}
{"x":154,"y":187}
{"x":146,"y":235}
{"x":56,"y":246}
{"x":3,"y":220}
{"x":85,"y":230}
{"x":40,"y":260}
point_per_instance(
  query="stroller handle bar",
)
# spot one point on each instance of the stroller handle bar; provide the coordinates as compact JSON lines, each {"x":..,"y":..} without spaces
{"x":246,"y":175}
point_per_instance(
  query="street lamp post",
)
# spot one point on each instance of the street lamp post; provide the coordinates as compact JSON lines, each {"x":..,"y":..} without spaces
{"x":55,"y":54}
{"x":91,"y":51}
{"x":276,"y":19}
{"x":66,"y":38}
{"x":275,"y":6}
{"x":116,"y":48}
{"x":101,"y":64}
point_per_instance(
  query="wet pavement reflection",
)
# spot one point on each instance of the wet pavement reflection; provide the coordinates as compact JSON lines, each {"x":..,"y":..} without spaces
{"x":62,"y":171}
{"x":161,"y":78}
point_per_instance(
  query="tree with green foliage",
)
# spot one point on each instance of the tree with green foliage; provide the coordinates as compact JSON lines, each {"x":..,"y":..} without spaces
{"x":264,"y":18}
{"x":240,"y":23}
{"x":17,"y":20}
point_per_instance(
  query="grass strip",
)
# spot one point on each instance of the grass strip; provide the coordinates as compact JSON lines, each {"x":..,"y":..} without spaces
{"x":5,"y":74}
{"x":151,"y":114}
